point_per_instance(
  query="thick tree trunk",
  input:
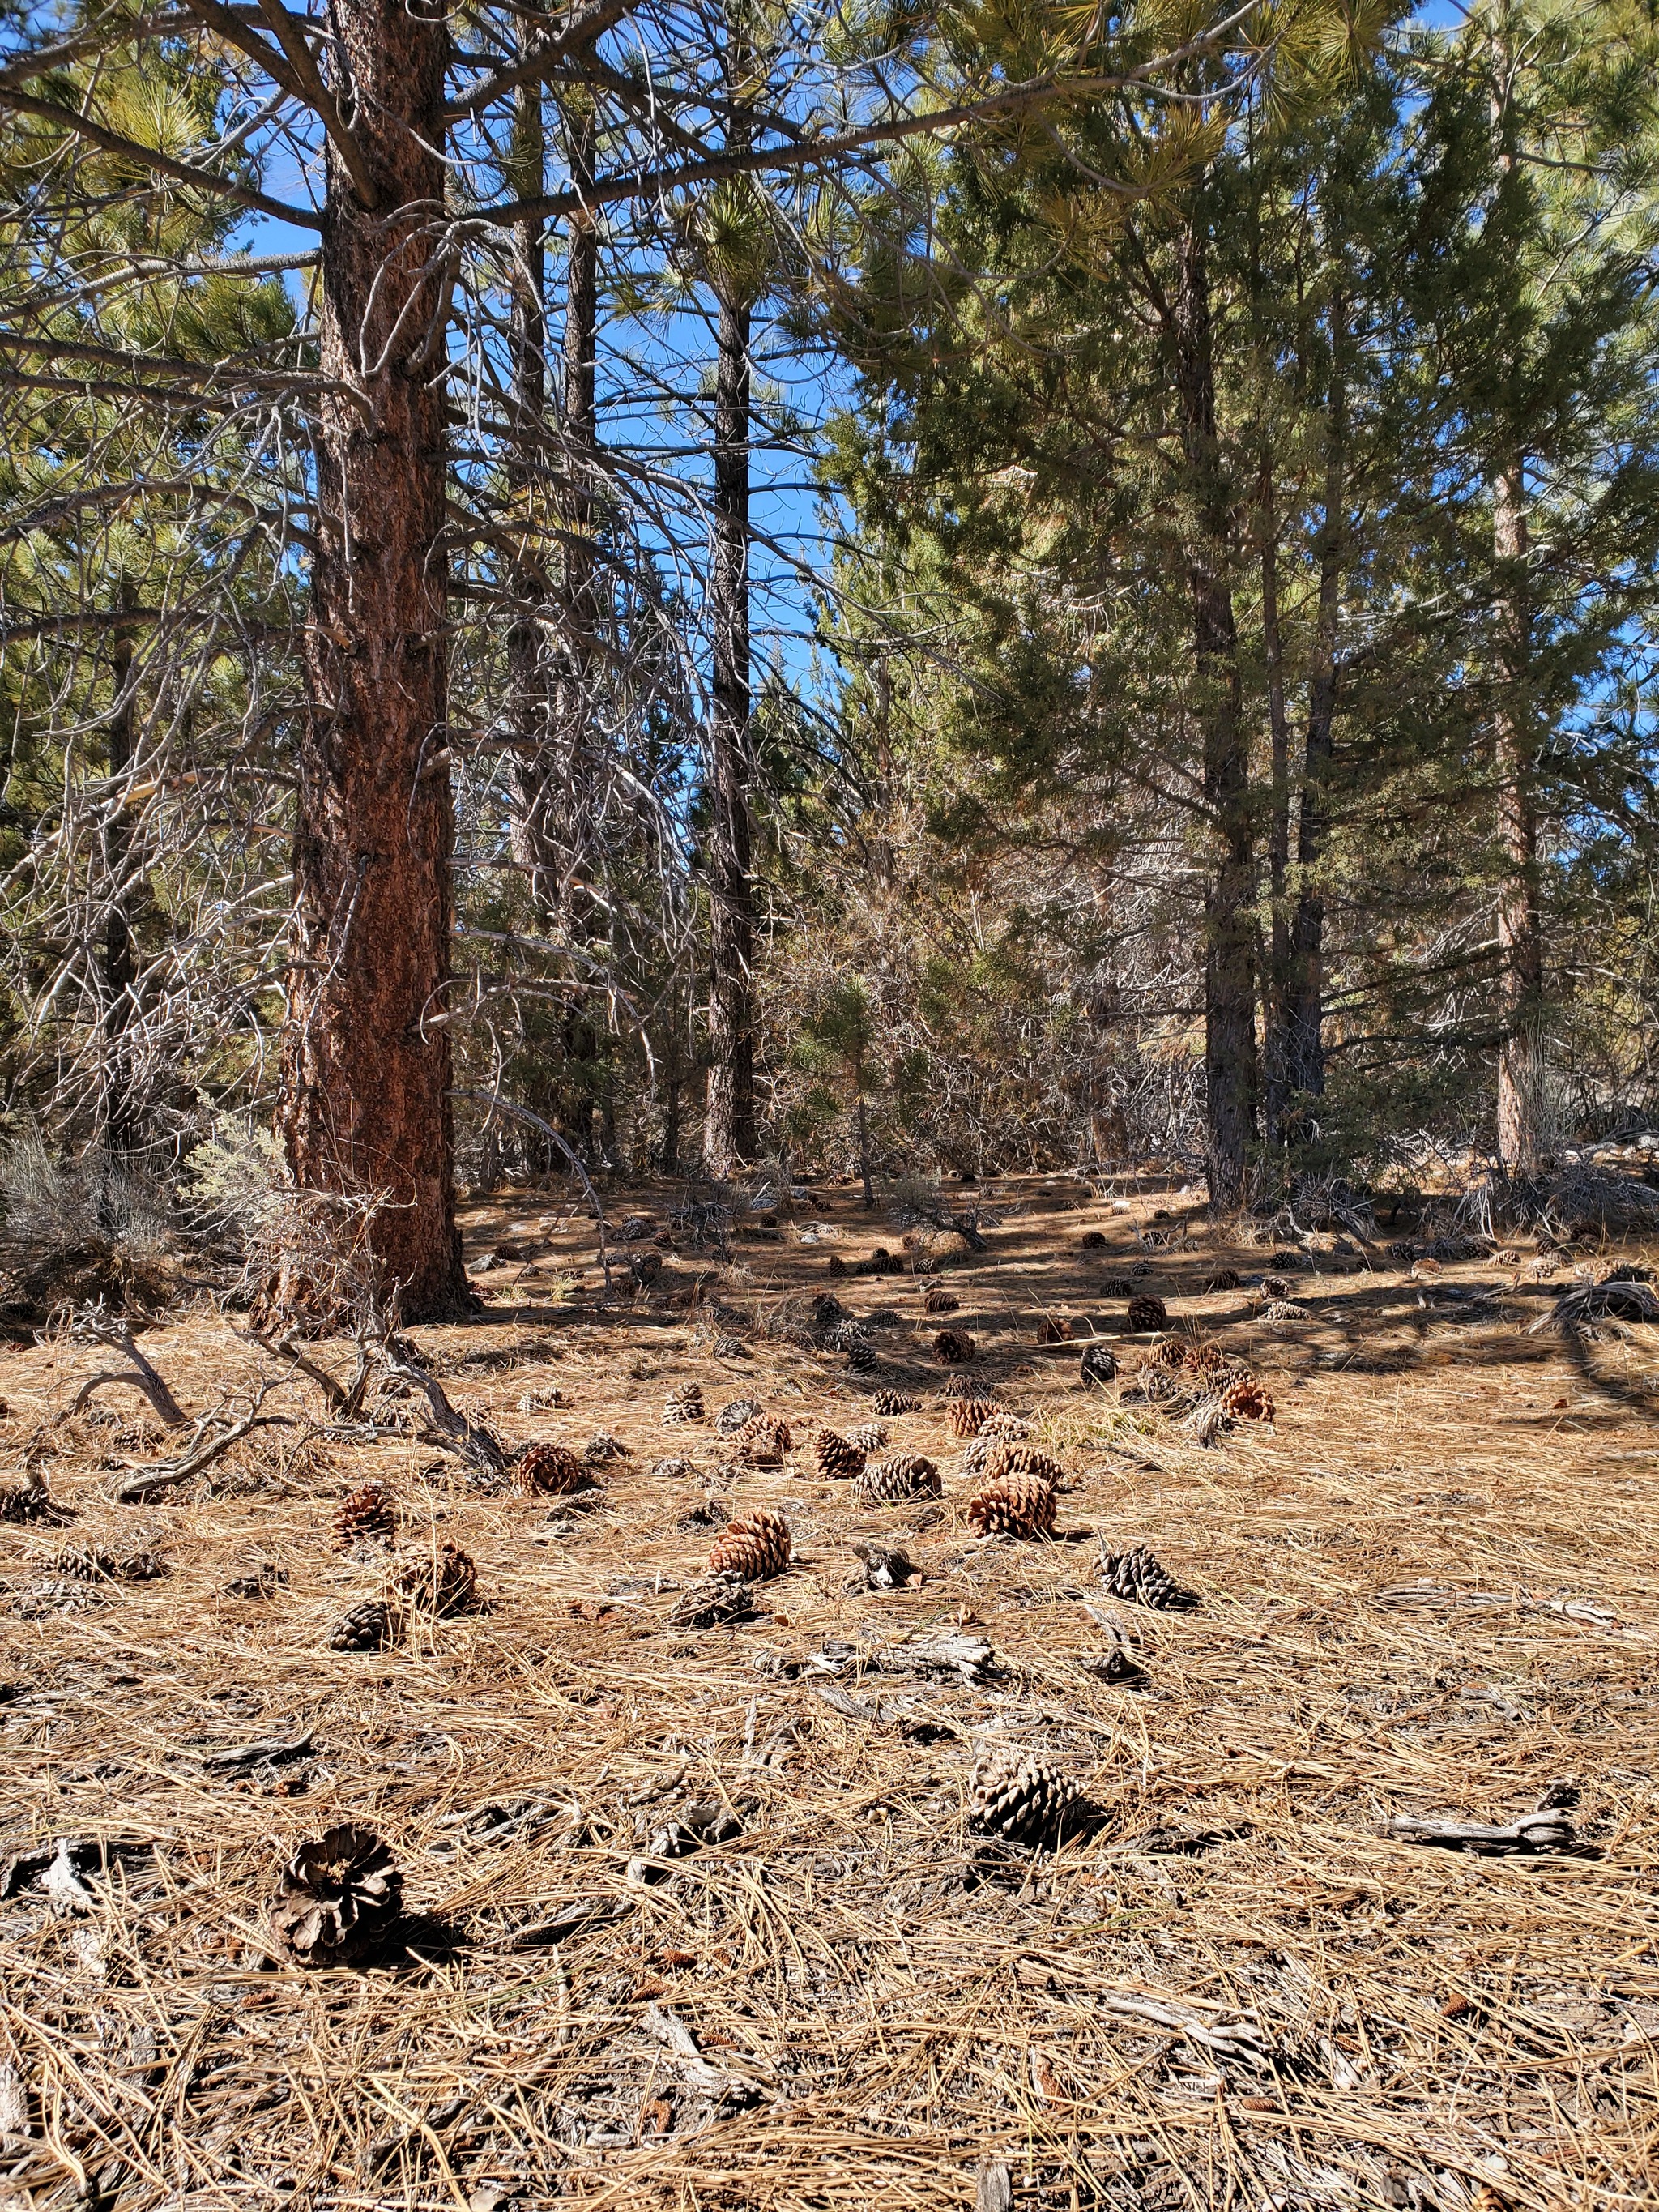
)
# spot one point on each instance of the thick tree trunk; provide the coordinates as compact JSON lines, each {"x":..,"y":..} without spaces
{"x":1521,"y":1107}
{"x":1229,"y":1053}
{"x":729,"y":1120}
{"x":365,"y":1105}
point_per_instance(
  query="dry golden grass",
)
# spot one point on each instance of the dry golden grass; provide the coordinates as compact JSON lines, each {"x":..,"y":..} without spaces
{"x":843,"y":2006}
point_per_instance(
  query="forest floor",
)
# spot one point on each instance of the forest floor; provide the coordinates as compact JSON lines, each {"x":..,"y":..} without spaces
{"x":1428,"y":1589}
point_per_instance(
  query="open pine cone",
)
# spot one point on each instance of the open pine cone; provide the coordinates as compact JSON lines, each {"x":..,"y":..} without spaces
{"x":1274,"y":1286}
{"x":1020,"y":1797}
{"x":1171,"y":1351}
{"x":755,"y":1545}
{"x":1206,"y":1359}
{"x":84,"y":1563}
{"x":711,"y":1599}
{"x":868,"y":1436}
{"x":30,"y":1500}
{"x":895,"y":1403}
{"x":367,"y":1627}
{"x":762,"y":1440}
{"x":1246,"y":1398}
{"x":936,"y":1299}
{"x":1098,"y":1365}
{"x":370,"y":1512}
{"x":1225,"y":1278}
{"x":685,"y":1404}
{"x":545,"y":1470}
{"x":1137,"y":1577}
{"x":1145,"y":1313}
{"x":861,"y":1357}
{"x":339,"y":1899}
{"x":895,"y":1481}
{"x":1093,"y":1240}
{"x":1000,"y":1427}
{"x":441,"y":1583}
{"x":1022,"y":1458}
{"x":1013,"y":1505}
{"x":953,"y":1347}
{"x":835,"y":1455}
{"x":968,"y":1416}
{"x":1117,"y":1286}
{"x":1285,"y":1309}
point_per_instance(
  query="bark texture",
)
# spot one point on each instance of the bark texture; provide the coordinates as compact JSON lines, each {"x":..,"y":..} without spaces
{"x":366,"y":1059}
{"x":1229,"y":1051}
{"x":729,"y":1120}
{"x":1520,"y":1141}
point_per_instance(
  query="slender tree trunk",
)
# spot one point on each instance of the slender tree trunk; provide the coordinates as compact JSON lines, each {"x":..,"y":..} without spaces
{"x":1229,"y":1053}
{"x":120,"y":966}
{"x":729,"y":1121}
{"x":1276,"y":1084}
{"x":1520,"y":1141}
{"x":526,"y":655}
{"x":1303,"y":1051}
{"x":573,"y":709}
{"x":365,"y":1105}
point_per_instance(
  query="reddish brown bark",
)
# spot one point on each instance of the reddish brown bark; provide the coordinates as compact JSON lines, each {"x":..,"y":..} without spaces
{"x":365,"y":1105}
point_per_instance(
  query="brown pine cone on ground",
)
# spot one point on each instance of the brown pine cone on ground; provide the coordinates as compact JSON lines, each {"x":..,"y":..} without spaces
{"x":1171,"y":1353}
{"x":1098,"y":1365}
{"x":710,"y":1600}
{"x":953,"y":1347}
{"x":367,"y":1627}
{"x":1021,"y":1458}
{"x":755,"y":1545}
{"x":968,"y":1416}
{"x":1206,"y":1359}
{"x":896,"y":1481}
{"x":1017,"y":1796}
{"x":835,"y":1264}
{"x":1137,"y":1577}
{"x":1093,"y":1241}
{"x":835,"y":1456}
{"x":1056,"y":1331}
{"x":30,"y":1500}
{"x":1282,"y":1309}
{"x":967,"y":1386}
{"x":1117,"y":1286}
{"x":936,"y":1299}
{"x":998,"y":1427}
{"x":1225,"y":1278}
{"x":685,"y":1404}
{"x":370,"y":1512}
{"x":762,"y":1441}
{"x":1146,"y":1313}
{"x":893,"y":1403}
{"x":339,"y":1899}
{"x":1274,"y":1286}
{"x":444,"y":1582}
{"x":868,"y":1436}
{"x":1246,"y":1398}
{"x":546,"y":1470}
{"x":84,"y":1563}
{"x":1158,"y":1384}
{"x":1013,"y":1505}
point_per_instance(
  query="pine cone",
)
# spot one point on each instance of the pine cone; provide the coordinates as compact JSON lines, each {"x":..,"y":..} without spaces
{"x":30,"y":1500}
{"x":1097,"y":1365}
{"x":835,"y":1455}
{"x":968,"y":1416}
{"x":1013,"y":1505}
{"x":339,"y":1899}
{"x":936,"y":1299}
{"x":1171,"y":1353}
{"x":861,"y":1357}
{"x":1006,"y":1459}
{"x":953,"y":1347}
{"x":1147,"y":1312}
{"x":827,"y":1310}
{"x":672,"y":1470}
{"x":894,"y":1481}
{"x":1274,"y":1286}
{"x":1117,"y":1286}
{"x":601,"y":1450}
{"x":1247,"y":1399}
{"x":710,"y":1600}
{"x":1005,"y":1428}
{"x":1137,"y":1577}
{"x":1285,"y":1309}
{"x":755,"y":1545}
{"x":685,"y":1404}
{"x":1094,"y":1240}
{"x":1015,"y":1794}
{"x":367,"y":1627}
{"x":868,"y":1436}
{"x":1056,"y":1331}
{"x":142,"y":1567}
{"x":762,"y":1441}
{"x":1158,"y":1385}
{"x":967,"y":1386}
{"x":443,"y":1582}
{"x":370,"y":1512}
{"x":544,"y":1400}
{"x":547,"y":1471}
{"x":734,"y":1418}
{"x":894,"y":1403}
{"x":835,"y":1264}
{"x":84,"y":1563}
{"x":1225,"y":1278}
{"x":1206,"y":1358}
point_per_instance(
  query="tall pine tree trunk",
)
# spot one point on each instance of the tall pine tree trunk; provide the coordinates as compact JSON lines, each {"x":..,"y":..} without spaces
{"x":120,"y":966}
{"x":729,"y":1119}
{"x":365,"y":1105}
{"x":527,"y":668}
{"x":1229,"y":1053}
{"x":1520,"y":1138}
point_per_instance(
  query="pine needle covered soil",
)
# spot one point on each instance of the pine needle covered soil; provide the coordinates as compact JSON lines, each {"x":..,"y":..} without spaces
{"x":1278,"y":1829}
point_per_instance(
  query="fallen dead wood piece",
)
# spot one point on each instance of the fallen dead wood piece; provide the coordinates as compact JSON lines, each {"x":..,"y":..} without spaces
{"x":1593,"y":1302}
{"x":969,"y":1656}
{"x":669,"y":2029}
{"x":272,"y":1751}
{"x":1546,"y":1829}
{"x":150,"y":1481}
{"x":1229,"y":2036}
{"x":1438,"y":1597}
{"x":98,"y":1328}
{"x":451,"y":1431}
{"x":882,"y":1712}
